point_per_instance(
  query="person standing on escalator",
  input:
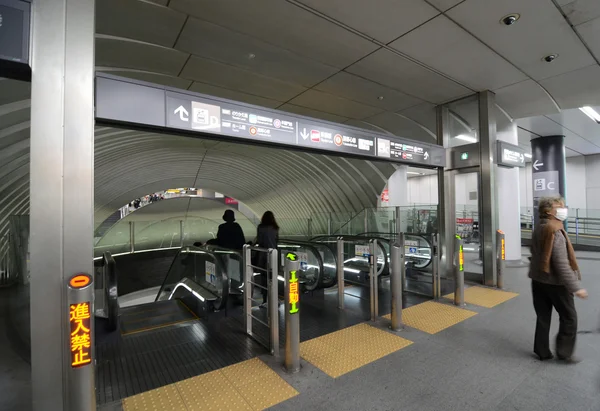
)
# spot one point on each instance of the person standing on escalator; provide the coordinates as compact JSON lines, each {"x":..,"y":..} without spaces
{"x":267,"y":236}
{"x":230,"y":234}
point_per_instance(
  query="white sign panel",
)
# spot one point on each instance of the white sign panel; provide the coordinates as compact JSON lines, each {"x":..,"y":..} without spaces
{"x":361,"y":250}
{"x":211,"y":272}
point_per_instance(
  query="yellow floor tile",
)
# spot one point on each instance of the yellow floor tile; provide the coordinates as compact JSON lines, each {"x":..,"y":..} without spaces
{"x":165,"y":398}
{"x":346,"y":350}
{"x":258,"y":384}
{"x":432,"y":317}
{"x":211,"y":392}
{"x":485,"y":297}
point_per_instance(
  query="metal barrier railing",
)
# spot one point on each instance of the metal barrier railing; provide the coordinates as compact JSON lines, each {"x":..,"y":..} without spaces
{"x":271,"y":286}
{"x":292,"y":313}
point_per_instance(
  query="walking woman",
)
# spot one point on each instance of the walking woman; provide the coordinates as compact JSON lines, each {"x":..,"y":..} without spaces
{"x":555,"y":279}
{"x":267,"y":236}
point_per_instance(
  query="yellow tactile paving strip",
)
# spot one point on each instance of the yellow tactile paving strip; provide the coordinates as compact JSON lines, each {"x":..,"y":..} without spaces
{"x":249,"y":385}
{"x":346,"y":350}
{"x":485,"y":297}
{"x":432,"y":317}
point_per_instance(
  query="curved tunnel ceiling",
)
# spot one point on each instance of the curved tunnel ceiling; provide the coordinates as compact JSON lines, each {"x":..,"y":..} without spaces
{"x":129,"y":164}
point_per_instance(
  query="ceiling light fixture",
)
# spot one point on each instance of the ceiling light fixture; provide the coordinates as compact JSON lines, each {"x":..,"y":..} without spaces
{"x":527,"y":155}
{"x":550,"y":58}
{"x":591,"y":113}
{"x":380,"y":98}
{"x":251,"y":56}
{"x":414,"y":173}
{"x":464,"y":137}
{"x":510,"y":19}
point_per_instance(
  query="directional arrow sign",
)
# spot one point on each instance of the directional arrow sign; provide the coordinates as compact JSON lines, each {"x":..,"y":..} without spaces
{"x":183,"y":113}
{"x":537,"y":164}
{"x":426,"y":155}
{"x":291,"y":256}
{"x":304,"y":134}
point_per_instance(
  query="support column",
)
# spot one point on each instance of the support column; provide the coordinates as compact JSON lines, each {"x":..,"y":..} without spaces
{"x":488,"y":220}
{"x":548,"y":169}
{"x":507,"y":179}
{"x":62,"y":185}
{"x":398,"y":191}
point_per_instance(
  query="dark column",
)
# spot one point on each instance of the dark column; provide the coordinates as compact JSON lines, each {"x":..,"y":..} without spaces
{"x":548,"y":169}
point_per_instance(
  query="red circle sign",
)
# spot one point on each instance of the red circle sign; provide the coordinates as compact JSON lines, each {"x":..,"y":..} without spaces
{"x":338,"y":140}
{"x":253,"y":131}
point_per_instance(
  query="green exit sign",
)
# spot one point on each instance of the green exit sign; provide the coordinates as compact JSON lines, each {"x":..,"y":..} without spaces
{"x":464,"y":156}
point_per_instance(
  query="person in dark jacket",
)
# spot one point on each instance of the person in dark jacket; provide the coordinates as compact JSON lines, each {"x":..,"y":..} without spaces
{"x":267,"y":236}
{"x":230,"y":234}
{"x":555,"y":279}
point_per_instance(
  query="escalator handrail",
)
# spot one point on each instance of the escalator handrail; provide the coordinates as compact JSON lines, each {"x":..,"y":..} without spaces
{"x":218,"y":268}
{"x":308,"y":245}
{"x":386,"y":263}
{"x":111,"y":294}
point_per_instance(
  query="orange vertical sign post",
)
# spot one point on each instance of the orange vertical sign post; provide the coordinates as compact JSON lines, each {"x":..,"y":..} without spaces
{"x":81,"y":337}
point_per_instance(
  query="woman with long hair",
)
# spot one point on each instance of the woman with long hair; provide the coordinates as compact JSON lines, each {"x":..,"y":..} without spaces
{"x":267,"y":235}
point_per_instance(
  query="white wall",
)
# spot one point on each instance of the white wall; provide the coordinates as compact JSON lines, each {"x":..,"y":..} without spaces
{"x":423,"y":190}
{"x":466,"y":183}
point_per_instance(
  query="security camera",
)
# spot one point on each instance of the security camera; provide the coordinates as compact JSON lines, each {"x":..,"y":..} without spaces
{"x":510,"y":19}
{"x":550,"y":58}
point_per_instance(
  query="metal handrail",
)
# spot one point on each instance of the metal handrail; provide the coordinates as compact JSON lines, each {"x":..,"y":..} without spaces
{"x":308,"y":245}
{"x":111,"y":294}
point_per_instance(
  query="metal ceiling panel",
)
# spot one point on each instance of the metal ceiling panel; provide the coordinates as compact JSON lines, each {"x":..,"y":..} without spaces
{"x":130,"y":54}
{"x":139,"y":20}
{"x":365,"y":91}
{"x":283,"y":24}
{"x":215,"y":42}
{"x":233,"y":78}
{"x":444,"y":5}
{"x":590,"y":32}
{"x":333,"y":104}
{"x":575,"y":89}
{"x":544,"y":126}
{"x":402,"y":126}
{"x":424,"y":114}
{"x":309,"y":112}
{"x":525,"y":99}
{"x":163,"y":79}
{"x":384,"y":20}
{"x":396,"y":72}
{"x":233,"y":95}
{"x":581,"y":11}
{"x":443,"y":45}
{"x":541,"y":30}
{"x":578,"y":123}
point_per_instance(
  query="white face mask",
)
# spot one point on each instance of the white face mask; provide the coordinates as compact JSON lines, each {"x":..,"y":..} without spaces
{"x":562,"y":214}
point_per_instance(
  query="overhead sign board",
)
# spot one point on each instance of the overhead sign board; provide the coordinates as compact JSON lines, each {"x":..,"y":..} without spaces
{"x":121,"y":100}
{"x":510,"y":155}
{"x":14,"y":39}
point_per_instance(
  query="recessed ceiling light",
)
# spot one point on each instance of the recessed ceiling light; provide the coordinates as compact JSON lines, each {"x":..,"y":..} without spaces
{"x":550,"y":58}
{"x":510,"y":19}
{"x":380,"y":98}
{"x":251,"y":56}
{"x":464,"y":137}
{"x":528,"y":155}
{"x":591,"y":113}
{"x":415,"y":173}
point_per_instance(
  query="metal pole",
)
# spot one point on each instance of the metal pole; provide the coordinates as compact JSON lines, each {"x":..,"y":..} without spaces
{"x":501,"y":256}
{"x":366,"y":222}
{"x":274,"y":302}
{"x":435,"y":267}
{"x":373,"y":279}
{"x":132,"y":237}
{"x":397,"y":259}
{"x":248,"y":274}
{"x":181,"y":233}
{"x":459,"y":273}
{"x":329,"y":225}
{"x":398,"y":225}
{"x":292,"y":314}
{"x":340,"y":272}
{"x":577,"y":230}
{"x":309,"y":227}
